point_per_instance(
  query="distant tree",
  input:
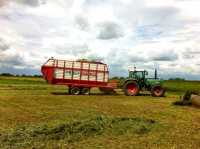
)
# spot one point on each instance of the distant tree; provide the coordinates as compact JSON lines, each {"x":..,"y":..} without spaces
{"x":89,"y":60}
{"x":37,"y":76}
{"x":23,"y":75}
{"x":115,"y":78}
{"x":6,"y":74}
{"x":177,"y":79}
{"x":83,"y":60}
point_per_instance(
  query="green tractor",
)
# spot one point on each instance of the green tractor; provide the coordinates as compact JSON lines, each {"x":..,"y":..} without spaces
{"x":137,"y":81}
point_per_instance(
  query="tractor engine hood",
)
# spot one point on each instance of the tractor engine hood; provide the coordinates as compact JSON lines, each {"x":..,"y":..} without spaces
{"x":155,"y":81}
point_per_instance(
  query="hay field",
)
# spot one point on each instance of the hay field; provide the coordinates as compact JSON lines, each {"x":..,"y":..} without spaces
{"x":34,"y":114}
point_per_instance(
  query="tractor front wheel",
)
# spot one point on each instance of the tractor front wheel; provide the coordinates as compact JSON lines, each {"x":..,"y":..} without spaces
{"x":157,"y":91}
{"x":75,"y":91}
{"x":131,"y":89}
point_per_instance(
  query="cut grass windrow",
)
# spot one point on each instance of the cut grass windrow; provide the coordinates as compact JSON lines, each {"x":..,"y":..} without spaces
{"x":76,"y":131}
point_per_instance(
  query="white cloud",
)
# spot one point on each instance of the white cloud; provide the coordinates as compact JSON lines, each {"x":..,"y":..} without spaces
{"x":143,"y":33}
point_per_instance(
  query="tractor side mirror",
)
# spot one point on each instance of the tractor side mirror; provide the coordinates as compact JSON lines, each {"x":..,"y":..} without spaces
{"x":146,"y":73}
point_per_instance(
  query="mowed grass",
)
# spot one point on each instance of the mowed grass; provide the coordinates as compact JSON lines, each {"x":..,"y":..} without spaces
{"x":34,"y":114}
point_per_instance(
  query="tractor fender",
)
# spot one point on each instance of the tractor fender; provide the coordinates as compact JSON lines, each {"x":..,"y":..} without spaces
{"x":129,"y":80}
{"x":158,"y":94}
{"x":156,"y":84}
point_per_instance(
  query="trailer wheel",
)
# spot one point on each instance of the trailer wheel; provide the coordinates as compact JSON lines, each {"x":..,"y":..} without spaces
{"x":157,"y":91}
{"x":69,"y":90}
{"x":131,"y":88}
{"x":85,"y":91}
{"x":75,"y":91}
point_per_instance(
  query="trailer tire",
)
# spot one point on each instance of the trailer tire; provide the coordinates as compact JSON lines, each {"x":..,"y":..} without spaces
{"x":69,"y":90}
{"x":157,"y":91}
{"x":85,"y":91}
{"x":75,"y":91}
{"x":131,"y":88}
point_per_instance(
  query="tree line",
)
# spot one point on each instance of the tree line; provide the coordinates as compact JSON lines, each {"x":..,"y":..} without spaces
{"x":19,"y":75}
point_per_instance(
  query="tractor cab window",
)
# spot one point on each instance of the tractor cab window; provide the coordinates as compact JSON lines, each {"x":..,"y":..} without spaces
{"x":137,"y":74}
{"x":50,"y":62}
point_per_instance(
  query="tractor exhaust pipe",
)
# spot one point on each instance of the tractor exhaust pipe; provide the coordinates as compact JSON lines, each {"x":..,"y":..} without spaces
{"x":156,"y":74}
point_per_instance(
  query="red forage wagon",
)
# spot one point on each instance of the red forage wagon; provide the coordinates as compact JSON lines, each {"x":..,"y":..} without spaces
{"x":80,"y":76}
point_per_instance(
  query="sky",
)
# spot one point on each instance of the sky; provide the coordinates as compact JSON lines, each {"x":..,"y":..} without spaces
{"x":147,"y":34}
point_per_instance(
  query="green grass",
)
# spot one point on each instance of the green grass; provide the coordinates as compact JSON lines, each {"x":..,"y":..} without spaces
{"x":182,"y":86}
{"x":34,"y":114}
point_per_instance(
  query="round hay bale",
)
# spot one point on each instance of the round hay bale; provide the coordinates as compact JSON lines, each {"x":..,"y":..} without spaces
{"x":195,"y":100}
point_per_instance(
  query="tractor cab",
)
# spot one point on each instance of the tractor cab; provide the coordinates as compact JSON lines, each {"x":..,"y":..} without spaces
{"x":138,"y":74}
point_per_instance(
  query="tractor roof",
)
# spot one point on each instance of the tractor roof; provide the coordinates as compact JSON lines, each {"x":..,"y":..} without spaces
{"x":137,"y":70}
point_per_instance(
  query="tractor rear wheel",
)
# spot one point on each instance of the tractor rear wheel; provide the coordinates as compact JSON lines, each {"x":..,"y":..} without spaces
{"x":131,"y":88}
{"x":85,"y":91}
{"x":75,"y":91}
{"x":157,"y":91}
